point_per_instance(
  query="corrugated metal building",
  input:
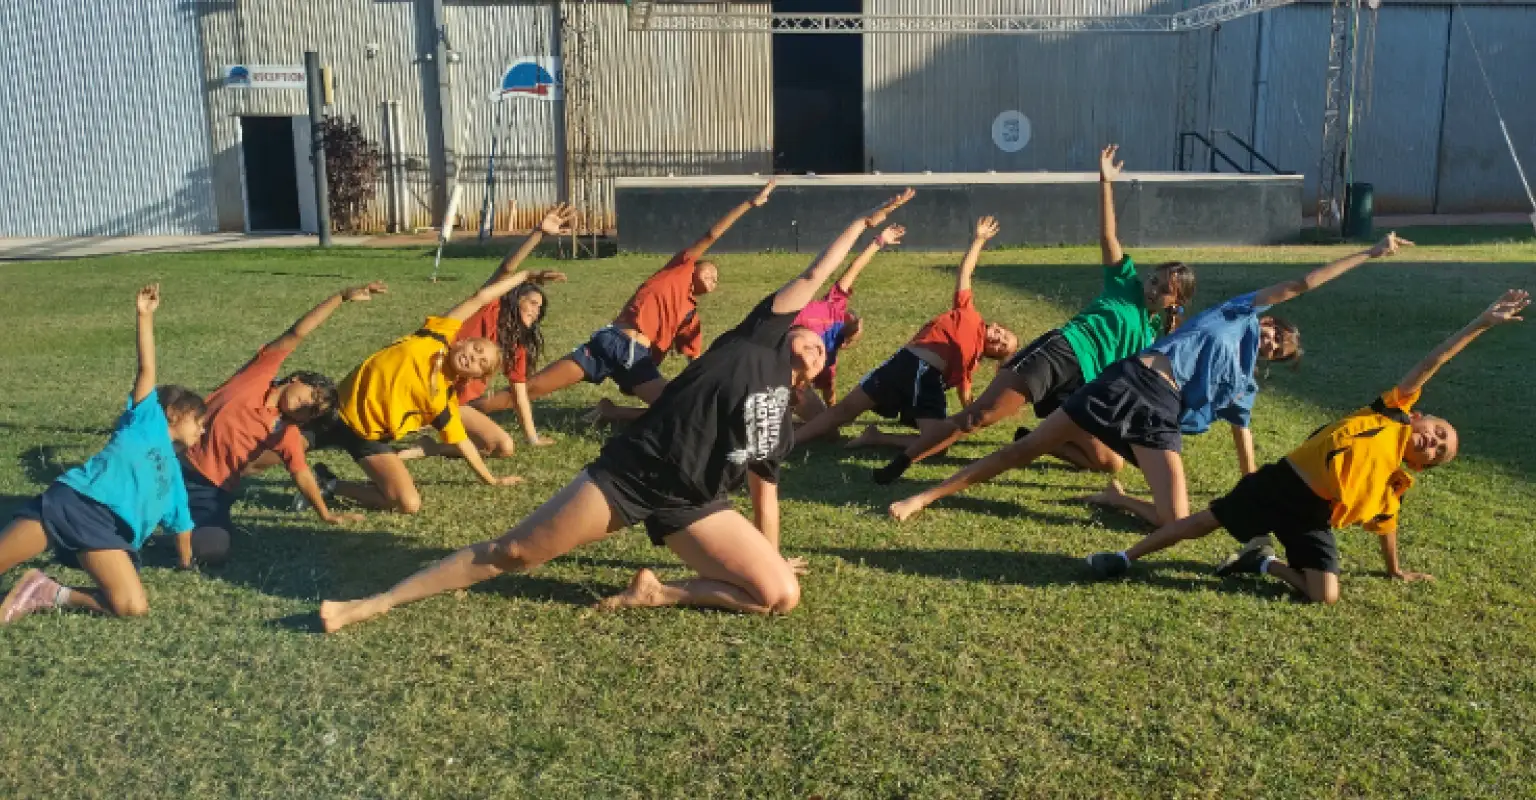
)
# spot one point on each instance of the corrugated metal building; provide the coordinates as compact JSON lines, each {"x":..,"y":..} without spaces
{"x":166,"y":146}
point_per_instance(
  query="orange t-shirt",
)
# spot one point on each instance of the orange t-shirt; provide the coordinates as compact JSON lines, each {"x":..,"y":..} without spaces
{"x":241,"y":426}
{"x":664,"y":310}
{"x":957,"y":336}
{"x":483,"y":325}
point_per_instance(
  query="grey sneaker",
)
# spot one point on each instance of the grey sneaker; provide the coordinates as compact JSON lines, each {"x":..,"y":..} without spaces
{"x":1108,"y":565}
{"x":34,"y":592}
{"x":327,"y":480}
{"x":1248,"y":559}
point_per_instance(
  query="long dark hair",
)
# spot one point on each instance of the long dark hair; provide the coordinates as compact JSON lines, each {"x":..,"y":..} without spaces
{"x":1181,"y":278}
{"x":511,"y":333}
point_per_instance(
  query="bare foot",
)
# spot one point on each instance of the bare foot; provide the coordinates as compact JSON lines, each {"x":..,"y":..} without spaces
{"x":645,"y":591}
{"x":902,"y":510}
{"x":1111,"y":496}
{"x":338,"y":614}
{"x":864,"y":439}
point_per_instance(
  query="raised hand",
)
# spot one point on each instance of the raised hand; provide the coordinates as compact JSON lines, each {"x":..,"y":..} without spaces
{"x":559,"y":220}
{"x":891,"y":235}
{"x":762,"y":197}
{"x":1506,"y":309}
{"x":544,"y":276}
{"x":364,"y":293}
{"x":1388,"y":246}
{"x":986,"y":228}
{"x":876,"y":217}
{"x":1109,"y":168}
{"x":148,"y":299}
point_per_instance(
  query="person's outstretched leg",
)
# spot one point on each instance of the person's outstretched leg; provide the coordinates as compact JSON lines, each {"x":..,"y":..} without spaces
{"x":21,"y":541}
{"x":738,"y":571}
{"x":554,"y":377}
{"x":1086,"y":452}
{"x":1001,"y":400}
{"x":1057,"y":428}
{"x":1110,"y":564}
{"x":119,"y":591}
{"x":872,"y":436}
{"x":578,"y":515}
{"x":490,"y":439}
{"x":830,"y":421}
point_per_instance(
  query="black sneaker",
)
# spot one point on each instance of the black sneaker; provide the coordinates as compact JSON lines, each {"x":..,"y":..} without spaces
{"x":1108,"y":565}
{"x":889,"y":473}
{"x":1021,"y":432}
{"x":1248,"y":559}
{"x":327,"y":480}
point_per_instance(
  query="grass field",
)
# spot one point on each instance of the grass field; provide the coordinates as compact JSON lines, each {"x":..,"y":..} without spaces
{"x":962,"y":654}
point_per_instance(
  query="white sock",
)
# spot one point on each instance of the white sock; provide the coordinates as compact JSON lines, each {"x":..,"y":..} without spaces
{"x":61,"y":597}
{"x":1264,"y":567}
{"x":1124,"y":557}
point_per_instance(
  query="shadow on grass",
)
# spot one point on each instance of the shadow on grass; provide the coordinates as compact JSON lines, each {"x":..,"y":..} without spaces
{"x":43,"y":463}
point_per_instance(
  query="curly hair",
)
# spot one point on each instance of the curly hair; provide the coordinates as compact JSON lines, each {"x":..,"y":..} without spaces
{"x":511,"y":333}
{"x":324,"y":389}
{"x":179,"y":401}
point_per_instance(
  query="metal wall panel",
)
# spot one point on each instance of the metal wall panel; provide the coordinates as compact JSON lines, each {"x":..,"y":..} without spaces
{"x":489,"y":37}
{"x":101,"y":120}
{"x":671,"y":103}
{"x":1476,"y":173}
{"x":1400,"y":95}
{"x":279,"y":32}
{"x":1291,"y":124}
{"x":931,"y":99}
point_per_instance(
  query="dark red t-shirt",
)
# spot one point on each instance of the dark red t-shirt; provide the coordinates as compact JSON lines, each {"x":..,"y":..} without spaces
{"x":241,"y":426}
{"x":665,"y":311}
{"x":957,"y":336}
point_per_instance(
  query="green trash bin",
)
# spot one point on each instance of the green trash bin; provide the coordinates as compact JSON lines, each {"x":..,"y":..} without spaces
{"x":1359,"y":211}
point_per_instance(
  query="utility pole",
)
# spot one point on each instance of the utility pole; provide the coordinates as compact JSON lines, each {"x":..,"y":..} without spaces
{"x":312,"y":79}
{"x":448,"y":168}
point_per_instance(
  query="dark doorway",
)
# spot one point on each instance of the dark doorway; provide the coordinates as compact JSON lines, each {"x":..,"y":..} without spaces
{"x":271,"y":177}
{"x":818,"y":94}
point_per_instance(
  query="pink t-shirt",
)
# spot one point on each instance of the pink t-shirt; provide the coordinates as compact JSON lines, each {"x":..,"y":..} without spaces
{"x":827,"y":317}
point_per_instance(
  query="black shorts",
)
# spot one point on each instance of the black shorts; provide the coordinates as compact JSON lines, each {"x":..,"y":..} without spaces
{"x":338,"y":435}
{"x":75,"y":523}
{"x":1128,"y":405}
{"x":650,"y":497}
{"x":1276,"y":500}
{"x":209,"y":503}
{"x":907,"y":388}
{"x":1049,"y":370}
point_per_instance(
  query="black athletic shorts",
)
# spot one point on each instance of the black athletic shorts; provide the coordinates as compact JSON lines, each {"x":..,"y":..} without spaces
{"x":1276,"y":500}
{"x":651,"y":497}
{"x":1128,"y":405}
{"x":1050,"y":371}
{"x":337,"y":435}
{"x":907,"y":388}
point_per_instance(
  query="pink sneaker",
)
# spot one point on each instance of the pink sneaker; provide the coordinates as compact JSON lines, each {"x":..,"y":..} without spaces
{"x":34,"y":592}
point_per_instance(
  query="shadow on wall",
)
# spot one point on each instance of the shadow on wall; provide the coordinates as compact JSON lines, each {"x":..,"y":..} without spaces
{"x":187,"y":209}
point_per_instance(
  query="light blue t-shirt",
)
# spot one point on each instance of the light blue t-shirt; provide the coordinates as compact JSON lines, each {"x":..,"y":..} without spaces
{"x":1213,"y":357}
{"x":136,"y":475}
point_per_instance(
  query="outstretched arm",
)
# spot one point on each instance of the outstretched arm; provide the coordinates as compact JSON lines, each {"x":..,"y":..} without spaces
{"x":1389,"y":561}
{"x":1242,"y":439}
{"x":1109,"y":232}
{"x":311,"y":320}
{"x":802,"y":289}
{"x":524,"y":407}
{"x":986,"y":228}
{"x":891,"y":235}
{"x":1287,"y":290}
{"x":144,"y":382}
{"x":556,"y":222}
{"x":471,"y":456}
{"x":1505,"y":309}
{"x":697,"y":250}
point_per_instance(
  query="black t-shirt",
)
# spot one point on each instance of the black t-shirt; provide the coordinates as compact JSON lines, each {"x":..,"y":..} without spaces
{"x":728,"y":412}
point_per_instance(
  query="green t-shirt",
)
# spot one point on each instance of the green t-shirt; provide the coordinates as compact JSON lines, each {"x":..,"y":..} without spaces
{"x":1115,"y":325}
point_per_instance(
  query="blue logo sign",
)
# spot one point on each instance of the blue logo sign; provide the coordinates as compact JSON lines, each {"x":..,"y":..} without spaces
{"x":529,"y":78}
{"x":238,"y":76}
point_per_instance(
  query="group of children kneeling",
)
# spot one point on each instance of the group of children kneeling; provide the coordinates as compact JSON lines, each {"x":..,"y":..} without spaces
{"x":1121,"y":381}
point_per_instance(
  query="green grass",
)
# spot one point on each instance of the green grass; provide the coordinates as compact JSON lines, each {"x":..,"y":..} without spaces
{"x":959,"y":655}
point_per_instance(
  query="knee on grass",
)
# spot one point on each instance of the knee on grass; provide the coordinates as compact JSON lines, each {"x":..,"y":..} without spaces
{"x":133,"y":604}
{"x":779,"y":596}
{"x":406,"y":502}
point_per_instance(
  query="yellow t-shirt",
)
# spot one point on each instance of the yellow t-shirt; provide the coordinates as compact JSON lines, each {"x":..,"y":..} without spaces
{"x":1357,"y":463}
{"x":399,"y":389}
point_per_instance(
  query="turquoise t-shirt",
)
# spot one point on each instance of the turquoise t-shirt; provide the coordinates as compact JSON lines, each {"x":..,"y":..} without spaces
{"x":137,"y":475}
{"x":1115,"y":325}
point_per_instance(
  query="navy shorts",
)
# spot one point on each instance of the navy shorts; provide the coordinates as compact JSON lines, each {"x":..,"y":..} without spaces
{"x":650,"y":497}
{"x":208,"y":503}
{"x":611,"y":354}
{"x":75,"y":522}
{"x":1129,"y":405}
{"x":907,"y":388}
